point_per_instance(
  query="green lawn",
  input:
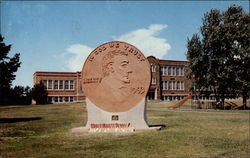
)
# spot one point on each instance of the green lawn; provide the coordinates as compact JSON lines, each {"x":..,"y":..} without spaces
{"x":44,"y":131}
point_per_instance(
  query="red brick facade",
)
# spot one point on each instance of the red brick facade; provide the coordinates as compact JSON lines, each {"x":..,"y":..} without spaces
{"x":168,"y":82}
{"x":61,"y":86}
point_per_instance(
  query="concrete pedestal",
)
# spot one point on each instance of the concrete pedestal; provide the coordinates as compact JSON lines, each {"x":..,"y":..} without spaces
{"x":103,"y":121}
{"x":100,"y":120}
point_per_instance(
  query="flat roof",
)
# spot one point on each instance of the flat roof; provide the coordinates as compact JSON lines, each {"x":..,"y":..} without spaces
{"x":56,"y":72}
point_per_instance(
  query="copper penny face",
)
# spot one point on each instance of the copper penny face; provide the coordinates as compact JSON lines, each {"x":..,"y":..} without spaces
{"x":116,"y":76}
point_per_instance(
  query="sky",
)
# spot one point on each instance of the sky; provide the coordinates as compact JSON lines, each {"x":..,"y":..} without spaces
{"x":59,"y":35}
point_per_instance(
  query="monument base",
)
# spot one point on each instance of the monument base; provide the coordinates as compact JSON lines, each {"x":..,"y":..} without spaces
{"x":79,"y":130}
{"x":103,"y":121}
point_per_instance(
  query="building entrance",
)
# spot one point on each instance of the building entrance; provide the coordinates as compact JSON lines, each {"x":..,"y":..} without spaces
{"x":151,"y":95}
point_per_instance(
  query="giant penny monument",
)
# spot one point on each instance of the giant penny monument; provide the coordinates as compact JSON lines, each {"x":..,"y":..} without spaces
{"x":115,"y":79}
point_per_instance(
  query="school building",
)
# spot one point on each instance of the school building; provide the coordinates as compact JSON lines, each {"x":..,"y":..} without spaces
{"x":168,"y":82}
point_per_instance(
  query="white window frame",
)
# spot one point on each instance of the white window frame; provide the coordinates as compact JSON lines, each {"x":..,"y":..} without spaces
{"x":60,"y":99}
{"x":182,"y":85}
{"x":56,"y":84}
{"x":61,"y":81}
{"x":164,"y":85}
{"x":174,"y":85}
{"x":73,"y":86}
{"x":177,"y":71}
{"x":48,"y":82}
{"x":169,"y":71}
{"x":152,"y":67}
{"x":170,"y":85}
{"x":66,"y":84}
{"x":174,"y":71}
{"x":178,"y":85}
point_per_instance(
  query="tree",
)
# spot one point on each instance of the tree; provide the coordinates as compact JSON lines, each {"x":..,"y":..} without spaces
{"x":238,"y":37}
{"x":21,"y":95}
{"x":220,"y":59}
{"x":39,"y":93}
{"x":8,"y":66}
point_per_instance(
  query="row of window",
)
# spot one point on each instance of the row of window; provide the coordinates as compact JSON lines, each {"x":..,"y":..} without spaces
{"x":203,"y":98}
{"x":58,"y":99}
{"x":59,"y":84}
{"x":172,"y":71}
{"x":173,"y":85}
{"x":172,"y":98}
{"x":176,"y":98}
{"x":169,"y":70}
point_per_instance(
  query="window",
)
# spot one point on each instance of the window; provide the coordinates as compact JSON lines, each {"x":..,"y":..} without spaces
{"x":166,"y":70}
{"x":174,"y":71}
{"x":71,"y":99}
{"x":56,"y":84}
{"x":178,"y":98}
{"x":170,"y":85}
{"x":170,"y":98}
{"x":175,"y":97}
{"x":71,"y":84}
{"x":61,"y":99}
{"x":56,"y":99}
{"x":66,"y":99}
{"x":169,"y":70}
{"x":152,"y":66}
{"x":178,"y":85}
{"x":60,"y":84}
{"x":165,"y":85}
{"x":66,"y":84}
{"x":50,"y":84}
{"x":177,"y":71}
{"x":182,"y":85}
{"x":45,"y":83}
{"x":162,"y":70}
{"x":153,"y":81}
{"x":174,"y":85}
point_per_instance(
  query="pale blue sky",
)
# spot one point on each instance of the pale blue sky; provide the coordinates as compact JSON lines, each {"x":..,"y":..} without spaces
{"x":58,"y":35}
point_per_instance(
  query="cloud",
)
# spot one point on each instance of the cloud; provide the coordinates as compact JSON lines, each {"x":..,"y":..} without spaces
{"x":147,"y":41}
{"x":144,"y":39}
{"x":78,"y":53}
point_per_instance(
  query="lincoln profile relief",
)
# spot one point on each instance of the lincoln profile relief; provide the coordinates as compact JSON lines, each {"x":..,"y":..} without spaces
{"x":115,"y":82}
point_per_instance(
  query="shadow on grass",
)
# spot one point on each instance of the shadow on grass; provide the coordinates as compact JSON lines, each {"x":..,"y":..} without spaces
{"x":14,"y":120}
{"x":160,"y":126}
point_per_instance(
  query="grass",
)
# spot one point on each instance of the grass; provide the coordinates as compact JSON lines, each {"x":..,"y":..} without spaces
{"x":44,"y":131}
